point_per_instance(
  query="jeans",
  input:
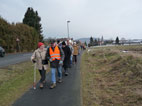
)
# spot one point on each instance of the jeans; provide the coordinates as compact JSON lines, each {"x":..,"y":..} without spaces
{"x":42,"y":74}
{"x":59,"y":69}
{"x":71,"y":59}
{"x":53,"y":73}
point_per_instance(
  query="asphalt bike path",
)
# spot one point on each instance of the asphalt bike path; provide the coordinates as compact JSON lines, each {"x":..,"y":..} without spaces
{"x":66,"y":93}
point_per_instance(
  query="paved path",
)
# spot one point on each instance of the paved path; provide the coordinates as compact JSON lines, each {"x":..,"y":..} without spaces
{"x":66,"y":93}
{"x":14,"y":59}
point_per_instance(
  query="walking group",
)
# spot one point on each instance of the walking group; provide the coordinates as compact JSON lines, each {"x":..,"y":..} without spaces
{"x":60,"y":55}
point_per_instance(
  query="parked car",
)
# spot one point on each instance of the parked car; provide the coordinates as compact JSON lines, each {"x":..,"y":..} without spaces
{"x":2,"y":52}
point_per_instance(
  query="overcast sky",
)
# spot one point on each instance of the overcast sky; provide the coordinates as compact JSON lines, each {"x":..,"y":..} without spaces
{"x":109,"y":18}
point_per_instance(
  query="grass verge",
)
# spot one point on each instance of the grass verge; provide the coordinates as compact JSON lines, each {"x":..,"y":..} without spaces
{"x":111,"y":77}
{"x":14,"y":81}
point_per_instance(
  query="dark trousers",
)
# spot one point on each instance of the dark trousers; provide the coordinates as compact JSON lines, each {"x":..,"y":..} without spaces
{"x":66,"y":69}
{"x":42,"y":74}
{"x":75,"y":58}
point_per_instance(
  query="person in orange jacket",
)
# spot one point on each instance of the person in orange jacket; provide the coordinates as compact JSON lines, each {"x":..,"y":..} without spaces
{"x":55,"y":55}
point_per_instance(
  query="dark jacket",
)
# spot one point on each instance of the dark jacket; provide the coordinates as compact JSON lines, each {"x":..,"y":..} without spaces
{"x":55,"y":63}
{"x":67,"y":52}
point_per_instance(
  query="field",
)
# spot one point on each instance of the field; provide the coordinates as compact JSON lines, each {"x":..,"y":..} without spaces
{"x":14,"y":81}
{"x":112,"y":76}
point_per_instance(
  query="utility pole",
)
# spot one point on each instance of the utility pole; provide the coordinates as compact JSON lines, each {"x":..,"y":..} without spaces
{"x":68,"y":28}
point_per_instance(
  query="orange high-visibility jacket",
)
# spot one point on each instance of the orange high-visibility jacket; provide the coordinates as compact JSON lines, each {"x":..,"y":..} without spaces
{"x":56,"y":54}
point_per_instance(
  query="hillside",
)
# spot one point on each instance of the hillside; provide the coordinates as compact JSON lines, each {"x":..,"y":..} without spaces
{"x":87,"y":40}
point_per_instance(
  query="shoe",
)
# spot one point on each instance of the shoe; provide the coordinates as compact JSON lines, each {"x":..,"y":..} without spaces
{"x":53,"y":86}
{"x":66,"y":74}
{"x":41,"y":86}
{"x":60,"y":80}
{"x":44,"y":82}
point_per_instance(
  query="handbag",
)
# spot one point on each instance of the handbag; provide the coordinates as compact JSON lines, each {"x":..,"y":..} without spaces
{"x":44,"y":62}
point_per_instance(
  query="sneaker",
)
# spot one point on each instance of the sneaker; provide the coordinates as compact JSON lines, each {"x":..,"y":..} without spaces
{"x":53,"y":86}
{"x":66,"y":74}
{"x":44,"y":82}
{"x":60,"y":80}
{"x":41,"y":86}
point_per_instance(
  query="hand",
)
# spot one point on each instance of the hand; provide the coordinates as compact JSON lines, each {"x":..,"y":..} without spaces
{"x":50,"y":60}
{"x":61,"y":62}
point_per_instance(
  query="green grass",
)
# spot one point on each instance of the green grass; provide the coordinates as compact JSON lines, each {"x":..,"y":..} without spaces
{"x":111,"y":77}
{"x":14,"y":81}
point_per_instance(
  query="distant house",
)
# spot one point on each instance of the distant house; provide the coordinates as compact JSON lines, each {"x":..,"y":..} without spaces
{"x":132,"y":41}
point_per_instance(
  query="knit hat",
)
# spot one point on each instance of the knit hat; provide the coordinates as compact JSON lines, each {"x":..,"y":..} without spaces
{"x":63,"y":43}
{"x":58,"y":41}
{"x":40,"y":44}
{"x":52,"y":41}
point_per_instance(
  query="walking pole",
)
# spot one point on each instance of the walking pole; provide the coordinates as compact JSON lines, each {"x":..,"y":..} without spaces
{"x":34,"y":84}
